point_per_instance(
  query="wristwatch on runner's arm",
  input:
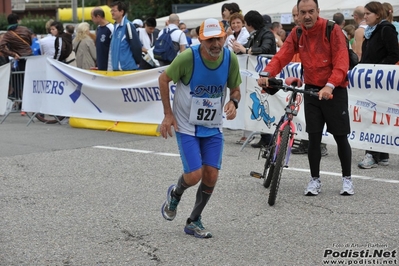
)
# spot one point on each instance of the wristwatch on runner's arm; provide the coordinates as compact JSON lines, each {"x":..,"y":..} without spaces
{"x":235,"y":101}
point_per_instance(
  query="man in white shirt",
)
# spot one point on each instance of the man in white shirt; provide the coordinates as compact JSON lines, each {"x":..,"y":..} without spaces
{"x":47,"y":43}
{"x":146,"y":34}
{"x":177,"y":36}
{"x":147,"y":39}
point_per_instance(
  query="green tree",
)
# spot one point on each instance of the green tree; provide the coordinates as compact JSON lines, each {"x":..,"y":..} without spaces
{"x":34,"y":22}
{"x":3,"y":22}
{"x":148,"y":8}
{"x":156,"y":8}
{"x":164,"y":7}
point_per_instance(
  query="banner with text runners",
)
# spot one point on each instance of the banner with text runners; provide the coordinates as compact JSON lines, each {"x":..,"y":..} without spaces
{"x":63,"y":90}
{"x":60,"y":89}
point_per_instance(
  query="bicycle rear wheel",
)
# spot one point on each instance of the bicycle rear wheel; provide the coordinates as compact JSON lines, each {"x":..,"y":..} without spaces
{"x":278,"y":166}
{"x":49,"y":119}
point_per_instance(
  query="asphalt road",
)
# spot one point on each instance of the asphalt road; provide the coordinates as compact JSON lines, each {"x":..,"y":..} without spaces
{"x":84,"y":197}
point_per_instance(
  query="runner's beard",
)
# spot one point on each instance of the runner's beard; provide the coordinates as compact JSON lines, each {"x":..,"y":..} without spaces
{"x":213,"y":53}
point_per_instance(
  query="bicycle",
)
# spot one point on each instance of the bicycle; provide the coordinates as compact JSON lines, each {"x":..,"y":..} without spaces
{"x":277,"y":153}
{"x":49,"y":119}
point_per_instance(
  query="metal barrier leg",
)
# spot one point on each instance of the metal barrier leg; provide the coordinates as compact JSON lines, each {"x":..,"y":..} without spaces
{"x":31,"y":118}
{"x":249,"y":138}
{"x":16,"y":86}
{"x":5,"y":117}
{"x":58,"y":120}
{"x":11,"y":110}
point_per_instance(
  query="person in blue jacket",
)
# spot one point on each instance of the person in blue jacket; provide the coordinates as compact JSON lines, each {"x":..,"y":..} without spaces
{"x":35,"y":44}
{"x":120,"y":57}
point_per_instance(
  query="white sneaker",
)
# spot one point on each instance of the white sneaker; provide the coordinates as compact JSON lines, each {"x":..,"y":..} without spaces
{"x":368,"y":162}
{"x":347,"y":187}
{"x":314,"y":187}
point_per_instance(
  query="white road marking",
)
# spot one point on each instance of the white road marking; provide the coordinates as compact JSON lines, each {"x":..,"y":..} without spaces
{"x":285,"y":169}
{"x":139,"y":151}
{"x":354,"y":176}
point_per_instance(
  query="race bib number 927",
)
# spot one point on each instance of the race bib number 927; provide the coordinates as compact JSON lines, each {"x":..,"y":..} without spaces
{"x":206,"y":112}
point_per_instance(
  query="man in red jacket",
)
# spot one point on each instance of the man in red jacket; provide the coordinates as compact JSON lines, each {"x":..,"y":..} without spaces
{"x":325,"y":67}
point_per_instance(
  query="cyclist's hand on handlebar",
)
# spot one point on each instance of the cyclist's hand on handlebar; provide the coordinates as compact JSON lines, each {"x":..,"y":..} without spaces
{"x":263,"y":82}
{"x":325,"y":93}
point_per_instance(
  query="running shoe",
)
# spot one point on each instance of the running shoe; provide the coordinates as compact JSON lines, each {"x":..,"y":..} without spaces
{"x":313,"y":188}
{"x":169,"y":206}
{"x":347,"y":187}
{"x":368,"y":162}
{"x":196,"y":229}
{"x":301,"y":149}
{"x":384,"y":162}
{"x":323,"y":149}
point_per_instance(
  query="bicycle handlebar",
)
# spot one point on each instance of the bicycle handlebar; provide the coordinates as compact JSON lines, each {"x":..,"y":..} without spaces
{"x":292,"y":85}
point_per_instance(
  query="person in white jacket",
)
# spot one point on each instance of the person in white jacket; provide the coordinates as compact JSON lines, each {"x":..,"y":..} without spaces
{"x":240,"y":33}
{"x":47,"y":43}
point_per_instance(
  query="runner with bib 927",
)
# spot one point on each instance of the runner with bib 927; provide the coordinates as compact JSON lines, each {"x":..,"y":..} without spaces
{"x":202,"y":75}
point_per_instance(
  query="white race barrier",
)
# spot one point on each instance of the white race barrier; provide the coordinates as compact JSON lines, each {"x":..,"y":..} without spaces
{"x":59,"y":89}
{"x":4,"y":85}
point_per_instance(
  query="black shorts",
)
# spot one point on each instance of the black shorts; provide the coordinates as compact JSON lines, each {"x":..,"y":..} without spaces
{"x":332,"y":112}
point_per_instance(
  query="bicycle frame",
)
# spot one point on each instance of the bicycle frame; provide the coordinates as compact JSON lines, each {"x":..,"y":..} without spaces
{"x":277,"y":153}
{"x":290,"y":112}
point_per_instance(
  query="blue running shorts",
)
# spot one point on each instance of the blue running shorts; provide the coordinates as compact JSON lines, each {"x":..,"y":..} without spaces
{"x":198,"y":151}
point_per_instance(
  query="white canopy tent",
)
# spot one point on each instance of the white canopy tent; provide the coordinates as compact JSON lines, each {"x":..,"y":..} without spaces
{"x":277,"y":10}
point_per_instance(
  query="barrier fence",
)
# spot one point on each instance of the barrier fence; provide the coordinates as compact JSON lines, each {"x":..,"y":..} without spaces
{"x":59,"y":89}
{"x":15,"y":90}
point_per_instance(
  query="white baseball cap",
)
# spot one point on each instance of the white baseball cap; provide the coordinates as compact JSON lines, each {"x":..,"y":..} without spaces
{"x":211,"y":28}
{"x":138,"y":22}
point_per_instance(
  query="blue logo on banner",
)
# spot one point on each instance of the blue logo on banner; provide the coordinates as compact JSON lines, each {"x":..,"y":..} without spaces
{"x":260,"y":109}
{"x":367,"y":103}
{"x":261,"y":63}
{"x":78,"y":91}
{"x":372,"y":104}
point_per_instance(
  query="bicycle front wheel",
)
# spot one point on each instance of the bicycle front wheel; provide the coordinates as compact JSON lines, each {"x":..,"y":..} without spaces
{"x":269,"y":166}
{"x":278,"y":166}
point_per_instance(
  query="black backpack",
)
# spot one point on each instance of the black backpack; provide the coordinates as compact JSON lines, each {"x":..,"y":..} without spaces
{"x":353,"y":58}
{"x":134,"y":42}
{"x":165,"y":49}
